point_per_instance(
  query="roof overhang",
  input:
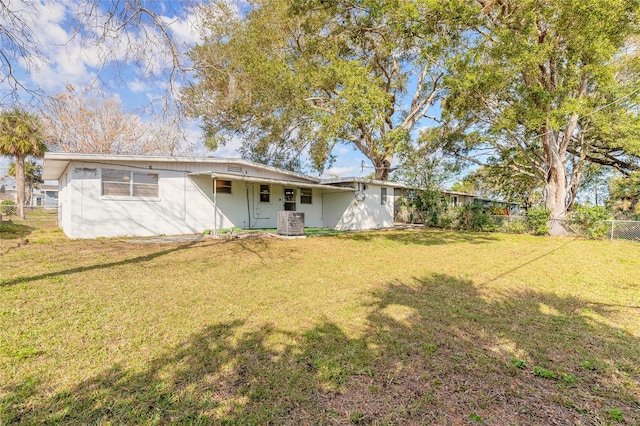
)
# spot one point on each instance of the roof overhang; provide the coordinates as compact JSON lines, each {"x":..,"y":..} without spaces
{"x":283,"y":182}
{"x":354,"y":180}
{"x":55,"y":163}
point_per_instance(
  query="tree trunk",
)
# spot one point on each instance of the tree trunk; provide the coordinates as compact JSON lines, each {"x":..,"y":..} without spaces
{"x":556,"y":195}
{"x":20,"y":185}
{"x":382,"y":165}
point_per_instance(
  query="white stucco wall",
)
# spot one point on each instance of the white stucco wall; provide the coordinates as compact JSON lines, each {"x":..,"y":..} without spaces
{"x":344,"y":211}
{"x":265,"y":214}
{"x":180,"y":207}
{"x":184,"y":205}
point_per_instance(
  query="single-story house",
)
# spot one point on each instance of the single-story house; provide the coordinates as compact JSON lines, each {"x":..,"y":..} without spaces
{"x":45,"y":196}
{"x":104,"y":195}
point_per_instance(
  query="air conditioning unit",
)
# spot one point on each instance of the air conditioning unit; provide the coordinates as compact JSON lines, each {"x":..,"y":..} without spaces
{"x":290,"y":223}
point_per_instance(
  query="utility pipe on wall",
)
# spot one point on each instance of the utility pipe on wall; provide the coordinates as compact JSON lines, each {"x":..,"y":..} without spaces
{"x":248,"y":206}
{"x":215,"y":208}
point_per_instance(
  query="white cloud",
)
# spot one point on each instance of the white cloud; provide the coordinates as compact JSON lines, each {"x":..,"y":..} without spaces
{"x":343,"y":171}
{"x":137,"y":86}
{"x":185,"y":30}
{"x":230,"y":150}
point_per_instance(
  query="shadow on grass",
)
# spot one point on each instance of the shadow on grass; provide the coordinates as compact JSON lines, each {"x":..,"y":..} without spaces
{"x":12,"y":230}
{"x":434,"y":352}
{"x":128,"y":261}
{"x":422,"y":236}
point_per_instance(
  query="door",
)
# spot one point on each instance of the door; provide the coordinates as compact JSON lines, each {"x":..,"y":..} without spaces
{"x":290,"y":199}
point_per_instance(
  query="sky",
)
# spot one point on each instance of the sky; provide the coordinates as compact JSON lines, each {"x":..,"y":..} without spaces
{"x":134,"y":69}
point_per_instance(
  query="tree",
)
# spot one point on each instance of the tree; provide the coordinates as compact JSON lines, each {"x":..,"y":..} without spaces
{"x":424,"y":165}
{"x":497,"y":181}
{"x":20,"y":136}
{"x":134,"y":32}
{"x":87,"y":121}
{"x":32,"y":176}
{"x":594,"y":184}
{"x":545,"y":87}
{"x":625,"y":194}
{"x":294,"y":77}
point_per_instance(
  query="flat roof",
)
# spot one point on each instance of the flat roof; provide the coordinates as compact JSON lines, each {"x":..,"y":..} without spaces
{"x":55,"y":163}
{"x":337,"y":181}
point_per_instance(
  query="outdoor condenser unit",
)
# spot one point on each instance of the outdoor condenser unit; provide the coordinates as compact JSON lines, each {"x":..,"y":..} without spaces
{"x":290,"y":223}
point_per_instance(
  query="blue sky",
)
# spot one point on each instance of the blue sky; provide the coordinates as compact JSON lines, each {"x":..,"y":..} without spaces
{"x":135,"y":76}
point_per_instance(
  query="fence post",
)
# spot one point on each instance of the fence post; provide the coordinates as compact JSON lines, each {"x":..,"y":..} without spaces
{"x":612,"y":224}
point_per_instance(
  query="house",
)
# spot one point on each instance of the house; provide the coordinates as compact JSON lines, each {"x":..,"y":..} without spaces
{"x":133,"y":195}
{"x":404,"y":213}
{"x":508,"y":208}
{"x":45,"y":196}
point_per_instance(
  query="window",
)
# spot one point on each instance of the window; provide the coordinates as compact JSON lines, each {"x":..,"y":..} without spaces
{"x":383,"y":196}
{"x":305,"y":195}
{"x":223,"y":186}
{"x":126,"y":183}
{"x":265,"y":193}
{"x":290,"y":199}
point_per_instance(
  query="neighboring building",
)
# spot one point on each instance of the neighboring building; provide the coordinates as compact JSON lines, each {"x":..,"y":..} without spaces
{"x":508,"y":208}
{"x":45,"y":196}
{"x":455,"y":199}
{"x":8,"y":189}
{"x":134,"y":195}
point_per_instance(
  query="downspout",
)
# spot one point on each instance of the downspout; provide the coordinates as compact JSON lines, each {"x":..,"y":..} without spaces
{"x":248,"y":206}
{"x":215,"y":208}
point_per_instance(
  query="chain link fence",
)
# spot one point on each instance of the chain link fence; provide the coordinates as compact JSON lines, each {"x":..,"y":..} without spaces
{"x":37,"y":215}
{"x":606,"y":229}
{"x":622,"y":229}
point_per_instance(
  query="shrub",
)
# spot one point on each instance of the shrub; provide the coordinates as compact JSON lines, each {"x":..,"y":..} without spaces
{"x":516,"y":226}
{"x":589,"y":220}
{"x":9,"y":208}
{"x":474,"y":218}
{"x":428,"y":207}
{"x":538,"y":220}
{"x":448,"y":219}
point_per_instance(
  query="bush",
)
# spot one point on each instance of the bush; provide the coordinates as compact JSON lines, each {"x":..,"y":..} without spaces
{"x":538,"y":220}
{"x":9,"y":208}
{"x":428,"y":207}
{"x":518,"y":226}
{"x":589,"y":220}
{"x":474,"y":218}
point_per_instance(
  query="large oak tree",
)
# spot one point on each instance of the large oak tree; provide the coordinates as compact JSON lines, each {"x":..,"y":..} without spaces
{"x":294,"y":77}
{"x":545,"y":87}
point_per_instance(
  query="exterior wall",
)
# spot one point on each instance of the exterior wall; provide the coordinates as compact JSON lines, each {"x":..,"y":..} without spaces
{"x":50,"y":198}
{"x":64,"y":206}
{"x":343,"y":211}
{"x":180,"y":207}
{"x":265,"y":215}
{"x":185,"y":204}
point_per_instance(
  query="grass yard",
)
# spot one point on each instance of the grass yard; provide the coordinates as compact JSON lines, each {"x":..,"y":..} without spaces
{"x":388,"y":327}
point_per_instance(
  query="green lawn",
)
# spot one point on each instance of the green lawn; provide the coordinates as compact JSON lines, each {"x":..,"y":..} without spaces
{"x":388,"y":327}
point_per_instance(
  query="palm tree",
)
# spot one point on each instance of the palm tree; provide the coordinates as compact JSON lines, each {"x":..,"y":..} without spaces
{"x":20,"y":136}
{"x":32,"y":177}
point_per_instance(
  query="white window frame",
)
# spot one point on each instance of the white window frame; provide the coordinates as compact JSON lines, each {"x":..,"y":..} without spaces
{"x":267,"y":193}
{"x":130,"y":181}
{"x":303,"y":195}
{"x":383,"y":196}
